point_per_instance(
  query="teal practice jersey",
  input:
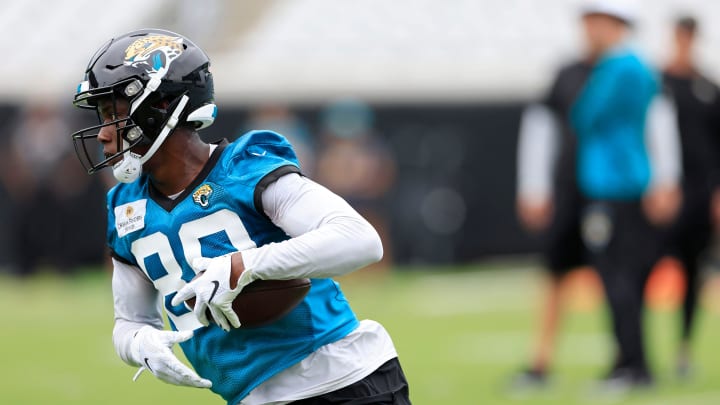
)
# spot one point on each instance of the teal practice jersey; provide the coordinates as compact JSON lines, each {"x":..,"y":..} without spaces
{"x":219,"y":213}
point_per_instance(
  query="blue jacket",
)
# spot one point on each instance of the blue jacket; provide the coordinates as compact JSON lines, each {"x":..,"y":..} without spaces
{"x":609,"y":120}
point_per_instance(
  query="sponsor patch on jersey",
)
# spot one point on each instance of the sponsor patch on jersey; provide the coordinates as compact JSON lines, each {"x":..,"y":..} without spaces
{"x":130,"y":217}
{"x":201,"y":196}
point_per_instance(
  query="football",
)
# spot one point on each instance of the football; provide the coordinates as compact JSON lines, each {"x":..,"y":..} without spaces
{"x":265,"y":301}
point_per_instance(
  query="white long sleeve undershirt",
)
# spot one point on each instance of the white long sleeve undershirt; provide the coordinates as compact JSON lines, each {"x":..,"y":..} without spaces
{"x":663,"y":142}
{"x":137,"y":303}
{"x":538,"y":140}
{"x":328,"y":237}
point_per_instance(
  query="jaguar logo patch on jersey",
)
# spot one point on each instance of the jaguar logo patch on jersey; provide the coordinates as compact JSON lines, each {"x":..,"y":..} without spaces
{"x":201,"y":196}
{"x":155,"y":51}
{"x":130,"y":217}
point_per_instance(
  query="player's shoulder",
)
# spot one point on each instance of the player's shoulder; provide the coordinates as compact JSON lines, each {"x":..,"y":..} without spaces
{"x":250,"y":141}
{"x":706,"y":82}
{"x":255,"y":154}
{"x":259,"y":146}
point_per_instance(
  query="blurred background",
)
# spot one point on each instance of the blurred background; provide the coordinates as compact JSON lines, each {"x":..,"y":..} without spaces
{"x":408,"y":109}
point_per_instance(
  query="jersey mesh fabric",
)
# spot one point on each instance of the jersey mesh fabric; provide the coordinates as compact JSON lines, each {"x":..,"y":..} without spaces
{"x":237,"y":361}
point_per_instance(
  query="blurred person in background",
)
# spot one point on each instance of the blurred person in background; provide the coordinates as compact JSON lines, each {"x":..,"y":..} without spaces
{"x":548,"y":202}
{"x":628,"y":182}
{"x":697,"y":100}
{"x":355,"y":162}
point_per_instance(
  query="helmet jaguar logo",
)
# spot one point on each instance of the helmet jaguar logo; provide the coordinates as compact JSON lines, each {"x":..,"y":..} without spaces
{"x":201,"y":196}
{"x":155,"y":51}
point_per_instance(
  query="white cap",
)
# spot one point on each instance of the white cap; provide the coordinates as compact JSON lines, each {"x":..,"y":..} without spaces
{"x":613,"y":8}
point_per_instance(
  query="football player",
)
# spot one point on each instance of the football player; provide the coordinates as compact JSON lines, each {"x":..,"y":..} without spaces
{"x":549,"y":203}
{"x":237,"y":212}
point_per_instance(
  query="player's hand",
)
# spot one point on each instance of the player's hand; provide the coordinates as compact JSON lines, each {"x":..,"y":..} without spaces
{"x":152,"y":348}
{"x":222,"y":280}
{"x":535,"y":214}
{"x":662,"y":204}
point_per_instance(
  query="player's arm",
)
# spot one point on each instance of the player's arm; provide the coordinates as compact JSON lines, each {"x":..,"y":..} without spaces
{"x":138,"y":336}
{"x":662,"y":137}
{"x":537,"y":147}
{"x":136,"y":305}
{"x":328,"y":237}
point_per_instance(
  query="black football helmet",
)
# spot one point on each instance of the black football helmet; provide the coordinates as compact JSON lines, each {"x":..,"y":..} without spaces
{"x":167,"y":82}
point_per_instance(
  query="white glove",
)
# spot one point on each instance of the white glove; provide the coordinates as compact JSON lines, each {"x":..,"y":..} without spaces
{"x":212,"y":291}
{"x":152,"y":348}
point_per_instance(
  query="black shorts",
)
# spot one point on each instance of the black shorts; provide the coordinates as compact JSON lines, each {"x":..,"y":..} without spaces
{"x":563,"y":249}
{"x":385,"y":386}
{"x":691,"y":233}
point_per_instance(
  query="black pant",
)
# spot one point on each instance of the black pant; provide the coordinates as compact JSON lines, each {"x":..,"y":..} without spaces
{"x":689,"y":236}
{"x":385,"y":386}
{"x":623,"y":247}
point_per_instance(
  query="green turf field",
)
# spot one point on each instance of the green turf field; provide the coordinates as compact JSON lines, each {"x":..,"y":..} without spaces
{"x":460,"y":334}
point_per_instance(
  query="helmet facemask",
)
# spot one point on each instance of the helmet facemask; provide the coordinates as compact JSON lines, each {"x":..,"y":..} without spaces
{"x":87,"y":147}
{"x":146,"y":124}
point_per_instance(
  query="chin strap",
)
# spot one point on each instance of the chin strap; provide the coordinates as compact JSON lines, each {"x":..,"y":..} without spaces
{"x":130,"y":167}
